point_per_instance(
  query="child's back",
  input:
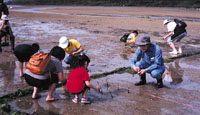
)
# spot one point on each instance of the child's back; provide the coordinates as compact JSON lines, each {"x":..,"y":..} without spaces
{"x":76,"y":79}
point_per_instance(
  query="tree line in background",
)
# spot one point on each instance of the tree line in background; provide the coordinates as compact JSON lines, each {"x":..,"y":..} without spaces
{"x":157,"y":3}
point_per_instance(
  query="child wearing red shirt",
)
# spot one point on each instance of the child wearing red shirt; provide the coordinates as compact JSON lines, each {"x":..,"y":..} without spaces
{"x":79,"y":81}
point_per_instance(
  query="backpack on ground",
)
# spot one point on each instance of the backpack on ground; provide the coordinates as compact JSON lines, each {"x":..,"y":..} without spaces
{"x":124,"y":37}
{"x":38,"y":62}
{"x":180,"y":24}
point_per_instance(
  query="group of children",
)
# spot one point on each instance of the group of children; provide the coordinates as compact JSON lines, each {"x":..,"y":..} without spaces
{"x":78,"y":81}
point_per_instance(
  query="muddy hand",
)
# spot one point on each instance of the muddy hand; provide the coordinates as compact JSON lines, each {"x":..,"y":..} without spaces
{"x":136,"y":69}
{"x":98,"y":87}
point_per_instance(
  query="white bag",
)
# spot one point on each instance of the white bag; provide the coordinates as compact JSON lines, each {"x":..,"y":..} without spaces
{"x":167,"y":78}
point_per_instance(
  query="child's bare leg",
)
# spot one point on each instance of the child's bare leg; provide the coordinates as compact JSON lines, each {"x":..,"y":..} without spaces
{"x":173,"y":47}
{"x":179,"y":47}
{"x":50,"y":92}
{"x":85,"y":93}
{"x":35,"y":90}
{"x":76,"y":95}
{"x":21,"y":69}
{"x":75,"y":99}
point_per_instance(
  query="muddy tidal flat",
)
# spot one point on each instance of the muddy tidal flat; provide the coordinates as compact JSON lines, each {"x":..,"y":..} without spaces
{"x":99,"y":29}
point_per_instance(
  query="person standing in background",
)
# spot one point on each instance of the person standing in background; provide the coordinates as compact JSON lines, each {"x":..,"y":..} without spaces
{"x":3,"y":8}
{"x":176,"y":31}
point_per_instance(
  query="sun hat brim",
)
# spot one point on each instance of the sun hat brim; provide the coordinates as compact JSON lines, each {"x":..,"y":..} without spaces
{"x":63,"y":42}
{"x":143,"y":40}
{"x":142,"y":43}
{"x":63,"y":45}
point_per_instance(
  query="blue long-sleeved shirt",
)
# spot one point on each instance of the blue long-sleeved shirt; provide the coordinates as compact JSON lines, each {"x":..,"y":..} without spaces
{"x":152,"y":57}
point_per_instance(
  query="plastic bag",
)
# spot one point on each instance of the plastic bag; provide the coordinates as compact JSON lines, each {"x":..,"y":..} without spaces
{"x":167,"y":78}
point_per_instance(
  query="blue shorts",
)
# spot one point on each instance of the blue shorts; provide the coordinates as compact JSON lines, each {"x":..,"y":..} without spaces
{"x":177,"y":38}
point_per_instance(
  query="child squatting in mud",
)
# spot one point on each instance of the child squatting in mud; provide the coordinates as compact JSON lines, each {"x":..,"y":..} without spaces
{"x":79,"y":81}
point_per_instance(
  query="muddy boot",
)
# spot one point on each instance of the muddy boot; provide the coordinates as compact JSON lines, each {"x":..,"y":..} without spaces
{"x":142,"y":80}
{"x":159,"y":83}
{"x":12,"y":41}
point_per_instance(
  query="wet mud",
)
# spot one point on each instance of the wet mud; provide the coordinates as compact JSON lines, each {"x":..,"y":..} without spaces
{"x":99,"y":33}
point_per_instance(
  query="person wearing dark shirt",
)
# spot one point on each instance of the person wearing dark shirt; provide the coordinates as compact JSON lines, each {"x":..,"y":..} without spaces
{"x":6,"y":31}
{"x":48,"y":79}
{"x":23,"y":52}
{"x":3,"y":8}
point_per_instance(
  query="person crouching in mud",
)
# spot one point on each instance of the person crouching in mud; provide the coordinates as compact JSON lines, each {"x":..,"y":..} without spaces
{"x":48,"y":79}
{"x":131,"y":38}
{"x":72,"y":47}
{"x":148,"y":58}
{"x":79,"y":81}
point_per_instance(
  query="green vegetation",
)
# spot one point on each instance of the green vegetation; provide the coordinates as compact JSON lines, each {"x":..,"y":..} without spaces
{"x":157,"y":3}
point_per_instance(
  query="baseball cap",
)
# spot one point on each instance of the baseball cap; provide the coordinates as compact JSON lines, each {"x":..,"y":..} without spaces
{"x":63,"y":42}
{"x":143,"y":40}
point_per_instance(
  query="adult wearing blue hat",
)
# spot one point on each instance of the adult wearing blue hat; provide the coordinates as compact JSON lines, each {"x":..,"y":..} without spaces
{"x":148,"y":59}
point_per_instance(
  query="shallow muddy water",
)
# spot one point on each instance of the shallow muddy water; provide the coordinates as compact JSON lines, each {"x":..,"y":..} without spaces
{"x":42,"y":30}
{"x":119,"y":91}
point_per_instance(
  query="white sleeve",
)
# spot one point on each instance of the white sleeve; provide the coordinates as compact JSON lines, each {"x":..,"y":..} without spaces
{"x":130,"y":36}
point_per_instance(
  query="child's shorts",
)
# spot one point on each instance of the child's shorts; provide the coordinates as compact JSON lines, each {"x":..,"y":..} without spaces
{"x":84,"y":89}
{"x":176,"y":39}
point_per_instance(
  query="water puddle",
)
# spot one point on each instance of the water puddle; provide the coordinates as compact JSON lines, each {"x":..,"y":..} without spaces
{"x":9,"y":78}
{"x":40,"y":30}
{"x":184,"y":73}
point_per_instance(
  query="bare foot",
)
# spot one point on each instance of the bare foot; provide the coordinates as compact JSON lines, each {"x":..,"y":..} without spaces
{"x":51,"y":99}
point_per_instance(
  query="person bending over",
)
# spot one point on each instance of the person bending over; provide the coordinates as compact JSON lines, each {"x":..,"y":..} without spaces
{"x":23,"y":52}
{"x":48,"y":79}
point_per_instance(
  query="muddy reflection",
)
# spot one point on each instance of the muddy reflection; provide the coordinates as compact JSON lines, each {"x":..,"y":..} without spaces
{"x":175,"y":72}
{"x":127,"y":52}
{"x":38,"y":109}
{"x":35,"y":107}
{"x":9,"y":77}
{"x":7,"y":70}
{"x":41,"y":28}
